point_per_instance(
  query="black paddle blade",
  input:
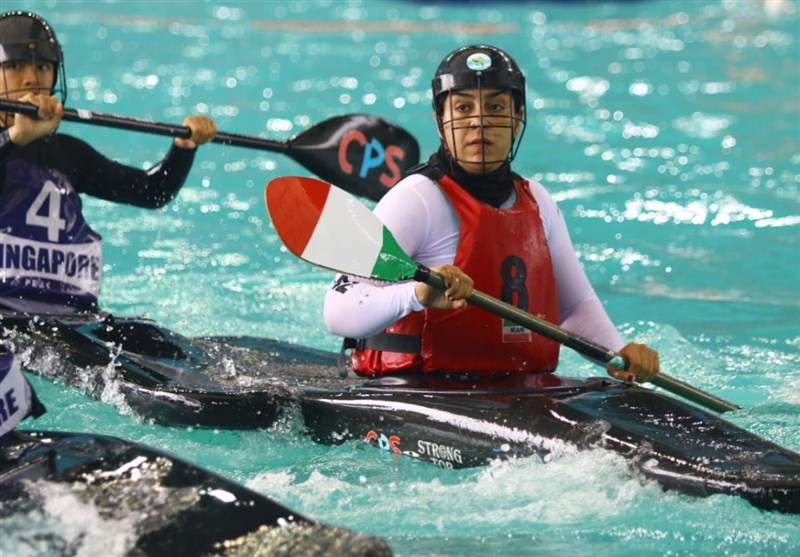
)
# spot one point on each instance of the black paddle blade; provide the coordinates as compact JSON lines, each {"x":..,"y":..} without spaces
{"x":362,"y":154}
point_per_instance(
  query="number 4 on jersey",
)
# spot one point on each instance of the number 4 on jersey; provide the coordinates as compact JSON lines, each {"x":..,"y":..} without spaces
{"x":51,"y":196}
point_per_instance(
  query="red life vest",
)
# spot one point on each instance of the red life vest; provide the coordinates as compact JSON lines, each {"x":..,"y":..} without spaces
{"x":506,"y":254}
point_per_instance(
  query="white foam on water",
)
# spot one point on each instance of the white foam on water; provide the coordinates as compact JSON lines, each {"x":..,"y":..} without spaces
{"x":66,"y":525}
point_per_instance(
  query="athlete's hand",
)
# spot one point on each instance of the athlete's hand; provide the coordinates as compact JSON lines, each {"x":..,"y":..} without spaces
{"x":203,"y":130}
{"x":25,"y":129}
{"x":643,"y":364}
{"x":459,"y":287}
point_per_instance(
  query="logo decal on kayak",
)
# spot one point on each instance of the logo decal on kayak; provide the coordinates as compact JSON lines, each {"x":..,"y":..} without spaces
{"x":441,"y":455}
{"x":391,"y":443}
{"x":356,"y":146}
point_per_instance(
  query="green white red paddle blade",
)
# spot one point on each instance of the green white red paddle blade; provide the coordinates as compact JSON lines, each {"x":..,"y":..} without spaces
{"x":328,"y":227}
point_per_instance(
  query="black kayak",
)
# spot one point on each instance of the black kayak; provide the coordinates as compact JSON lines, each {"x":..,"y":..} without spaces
{"x":452,"y":421}
{"x":169,"y":506}
{"x":456,"y":422}
{"x":220,"y":382}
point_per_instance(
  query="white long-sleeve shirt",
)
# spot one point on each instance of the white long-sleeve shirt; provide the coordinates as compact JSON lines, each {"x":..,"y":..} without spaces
{"x":422,"y":220}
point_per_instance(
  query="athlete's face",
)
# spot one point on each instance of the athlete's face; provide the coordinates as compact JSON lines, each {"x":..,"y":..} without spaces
{"x":479,"y":127}
{"x":20,"y":77}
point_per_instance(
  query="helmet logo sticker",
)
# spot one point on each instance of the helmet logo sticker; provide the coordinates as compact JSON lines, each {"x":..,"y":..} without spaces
{"x":479,"y":61}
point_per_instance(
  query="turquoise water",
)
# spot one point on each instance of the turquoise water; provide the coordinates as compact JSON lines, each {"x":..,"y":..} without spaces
{"x":669,"y":132}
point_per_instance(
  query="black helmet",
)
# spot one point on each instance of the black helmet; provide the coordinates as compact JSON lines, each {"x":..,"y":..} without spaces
{"x":478,"y":66}
{"x":27,"y":36}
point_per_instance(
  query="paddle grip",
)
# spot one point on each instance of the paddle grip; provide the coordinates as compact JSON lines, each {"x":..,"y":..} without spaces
{"x":99,"y":119}
{"x":135,"y":124}
{"x":431,"y":278}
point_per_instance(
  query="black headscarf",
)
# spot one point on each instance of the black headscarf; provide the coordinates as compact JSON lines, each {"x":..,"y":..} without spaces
{"x":492,"y":188}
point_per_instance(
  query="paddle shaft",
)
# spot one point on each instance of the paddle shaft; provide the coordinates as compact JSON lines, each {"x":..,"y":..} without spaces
{"x":577,"y":343}
{"x":157,"y":128}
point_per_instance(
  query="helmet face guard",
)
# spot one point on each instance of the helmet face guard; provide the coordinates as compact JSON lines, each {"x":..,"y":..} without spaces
{"x":25,"y":36}
{"x":485,"y":69}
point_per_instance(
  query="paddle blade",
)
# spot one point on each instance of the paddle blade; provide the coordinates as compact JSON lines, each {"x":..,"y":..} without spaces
{"x":363,"y":154}
{"x":329,"y":228}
